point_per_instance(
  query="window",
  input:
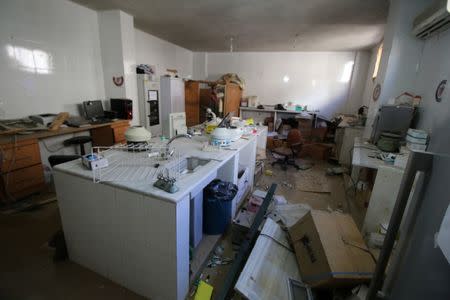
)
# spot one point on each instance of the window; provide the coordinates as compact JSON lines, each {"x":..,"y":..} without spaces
{"x":377,"y":62}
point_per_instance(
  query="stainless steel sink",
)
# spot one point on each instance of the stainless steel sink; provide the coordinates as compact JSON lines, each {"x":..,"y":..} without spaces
{"x":191,"y":164}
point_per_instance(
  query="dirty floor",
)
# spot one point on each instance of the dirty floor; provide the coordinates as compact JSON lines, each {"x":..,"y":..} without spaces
{"x":312,"y":187}
{"x":28,"y":272}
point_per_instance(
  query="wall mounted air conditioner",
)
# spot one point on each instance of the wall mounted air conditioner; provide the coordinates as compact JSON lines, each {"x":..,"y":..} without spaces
{"x":431,"y":21}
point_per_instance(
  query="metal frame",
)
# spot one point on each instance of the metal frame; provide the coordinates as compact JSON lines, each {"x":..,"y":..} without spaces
{"x":417,"y":162}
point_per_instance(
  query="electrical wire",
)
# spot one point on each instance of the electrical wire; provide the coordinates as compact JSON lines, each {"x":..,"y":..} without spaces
{"x":277,"y":242}
{"x":52,"y":150}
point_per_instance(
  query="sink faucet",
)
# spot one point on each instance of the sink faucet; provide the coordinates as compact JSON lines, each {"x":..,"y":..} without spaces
{"x":169,"y":153}
{"x":177,"y":137}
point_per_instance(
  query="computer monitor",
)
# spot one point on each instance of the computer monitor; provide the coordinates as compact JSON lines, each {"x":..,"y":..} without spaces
{"x":93,"y":109}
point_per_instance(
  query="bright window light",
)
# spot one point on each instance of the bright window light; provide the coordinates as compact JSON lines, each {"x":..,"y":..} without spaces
{"x":286,"y":78}
{"x":34,"y":61}
{"x":347,"y":73}
{"x":377,"y":62}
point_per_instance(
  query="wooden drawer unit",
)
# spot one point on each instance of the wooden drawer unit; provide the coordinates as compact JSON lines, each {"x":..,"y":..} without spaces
{"x":20,"y":155}
{"x":110,"y":135}
{"x":119,"y":134}
{"x":21,"y":168}
{"x":24,"y":181}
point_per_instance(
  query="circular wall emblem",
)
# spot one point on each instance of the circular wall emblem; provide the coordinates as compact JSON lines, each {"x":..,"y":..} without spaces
{"x":440,"y":90}
{"x":376,"y":92}
{"x":118,"y":81}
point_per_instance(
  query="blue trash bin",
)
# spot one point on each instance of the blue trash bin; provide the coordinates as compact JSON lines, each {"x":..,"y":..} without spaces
{"x":217,"y":201}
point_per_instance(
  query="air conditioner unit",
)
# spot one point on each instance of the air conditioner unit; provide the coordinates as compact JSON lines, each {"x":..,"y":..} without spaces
{"x":433,"y":20}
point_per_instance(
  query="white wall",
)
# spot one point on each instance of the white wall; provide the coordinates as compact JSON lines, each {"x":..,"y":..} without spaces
{"x":117,"y":42}
{"x":435,"y":116}
{"x":66,"y":67}
{"x":401,"y":55}
{"x":356,"y":94}
{"x":164,"y":55}
{"x":315,"y":78}
{"x":370,"y":83}
{"x":200,"y":66}
{"x":111,"y":51}
{"x":410,"y":64}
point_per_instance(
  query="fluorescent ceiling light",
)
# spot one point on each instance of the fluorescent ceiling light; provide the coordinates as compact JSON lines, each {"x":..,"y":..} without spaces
{"x":286,"y":78}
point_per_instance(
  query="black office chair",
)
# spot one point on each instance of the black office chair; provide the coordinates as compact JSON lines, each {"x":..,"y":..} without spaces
{"x":54,"y":160}
{"x":76,"y":140}
{"x":289,"y":152}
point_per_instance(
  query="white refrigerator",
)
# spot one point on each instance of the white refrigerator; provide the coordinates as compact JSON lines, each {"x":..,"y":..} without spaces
{"x":172,"y":101}
{"x":149,"y":103}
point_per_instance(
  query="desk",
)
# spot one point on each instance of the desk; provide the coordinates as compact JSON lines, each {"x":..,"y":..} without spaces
{"x":364,"y":156}
{"x":363,"y":153}
{"x":386,"y":186}
{"x":260,"y":114}
{"x":21,"y":166}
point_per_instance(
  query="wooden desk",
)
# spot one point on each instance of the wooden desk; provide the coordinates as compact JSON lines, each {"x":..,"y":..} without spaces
{"x":21,"y":168}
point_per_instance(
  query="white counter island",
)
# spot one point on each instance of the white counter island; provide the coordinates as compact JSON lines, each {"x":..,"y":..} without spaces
{"x":135,"y":234}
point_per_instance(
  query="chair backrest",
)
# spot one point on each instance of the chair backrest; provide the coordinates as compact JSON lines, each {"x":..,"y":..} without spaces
{"x":294,"y":137}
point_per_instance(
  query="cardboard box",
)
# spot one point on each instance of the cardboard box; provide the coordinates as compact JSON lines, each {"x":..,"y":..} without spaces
{"x":330,"y":250}
{"x":316,"y":151}
{"x":273,"y":143}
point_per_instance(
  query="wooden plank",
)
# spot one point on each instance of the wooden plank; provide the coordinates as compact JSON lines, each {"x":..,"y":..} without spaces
{"x":58,"y":121}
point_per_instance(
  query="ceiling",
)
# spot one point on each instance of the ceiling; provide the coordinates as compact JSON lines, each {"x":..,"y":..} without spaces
{"x":257,"y":25}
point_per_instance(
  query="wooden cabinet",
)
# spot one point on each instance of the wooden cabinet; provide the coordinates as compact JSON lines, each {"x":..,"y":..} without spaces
{"x":222,"y":98}
{"x":21,"y":169}
{"x":110,"y":135}
{"x":192,"y":102}
{"x":232,"y":99}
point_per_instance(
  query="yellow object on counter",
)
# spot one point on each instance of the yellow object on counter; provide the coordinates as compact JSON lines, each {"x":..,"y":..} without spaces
{"x":204,"y":291}
{"x":210,"y":128}
{"x":250,"y":121}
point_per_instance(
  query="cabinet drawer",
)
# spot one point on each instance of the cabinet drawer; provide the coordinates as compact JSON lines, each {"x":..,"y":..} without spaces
{"x":24,"y":179}
{"x":119,"y":134}
{"x":20,"y":155}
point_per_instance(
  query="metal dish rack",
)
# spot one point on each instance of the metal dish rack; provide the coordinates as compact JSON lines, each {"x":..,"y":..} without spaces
{"x":136,"y":163}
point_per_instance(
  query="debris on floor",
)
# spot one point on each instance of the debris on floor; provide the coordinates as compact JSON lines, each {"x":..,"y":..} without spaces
{"x":300,"y":194}
{"x":333,"y":241}
{"x":217,"y":260}
{"x":289,"y":214}
{"x":358,"y":293}
{"x":336,"y":171}
{"x":305,"y":165}
{"x":270,"y":265}
{"x":204,"y":291}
